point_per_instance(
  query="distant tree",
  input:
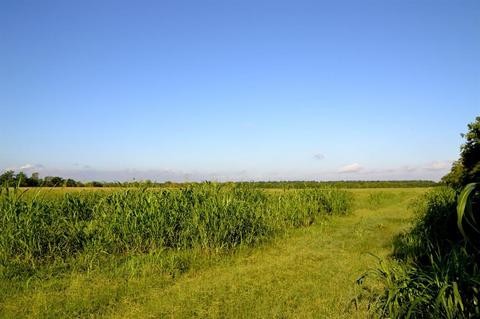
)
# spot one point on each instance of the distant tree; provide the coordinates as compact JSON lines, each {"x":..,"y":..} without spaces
{"x":57,"y":181}
{"x":95,"y":184}
{"x":21,"y":179}
{"x":34,"y":180}
{"x":467,"y":169}
{"x":53,"y":181}
{"x":470,"y":152}
{"x":455,"y":176}
{"x":148,"y":183}
{"x":8,"y":178}
{"x":47,"y":181}
{"x":70,"y":183}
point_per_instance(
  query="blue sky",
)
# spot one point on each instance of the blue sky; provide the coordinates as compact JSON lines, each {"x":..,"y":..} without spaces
{"x":237,"y":90}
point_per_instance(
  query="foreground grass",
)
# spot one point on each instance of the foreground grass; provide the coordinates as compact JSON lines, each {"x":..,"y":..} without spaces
{"x":308,"y":272}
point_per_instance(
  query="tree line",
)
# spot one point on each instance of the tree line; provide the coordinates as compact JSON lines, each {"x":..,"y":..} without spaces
{"x":20,"y":179}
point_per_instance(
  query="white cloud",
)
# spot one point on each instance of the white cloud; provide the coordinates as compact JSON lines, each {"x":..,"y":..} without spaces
{"x":408,"y":168}
{"x":29,"y":167}
{"x":433,"y":170}
{"x":351,"y":168}
{"x":438,"y":165}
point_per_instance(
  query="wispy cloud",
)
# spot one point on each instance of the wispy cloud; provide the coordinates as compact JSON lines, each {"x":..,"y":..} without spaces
{"x":433,"y":170}
{"x":438,"y":165}
{"x":408,"y":168}
{"x":29,"y":167}
{"x":351,"y":168}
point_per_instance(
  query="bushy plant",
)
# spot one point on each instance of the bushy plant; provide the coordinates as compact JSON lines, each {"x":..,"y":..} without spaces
{"x":436,"y":274}
{"x":434,"y":229}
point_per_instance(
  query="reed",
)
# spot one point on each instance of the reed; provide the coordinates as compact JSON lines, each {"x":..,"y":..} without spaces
{"x":38,"y":230}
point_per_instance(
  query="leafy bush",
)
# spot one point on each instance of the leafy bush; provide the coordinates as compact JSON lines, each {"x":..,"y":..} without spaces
{"x":434,"y":226}
{"x":436,"y":274}
{"x":447,"y":286}
{"x":467,"y":168}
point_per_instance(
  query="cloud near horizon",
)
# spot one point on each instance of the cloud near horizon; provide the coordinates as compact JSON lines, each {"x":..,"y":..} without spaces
{"x":432,"y":171}
{"x":438,"y":165}
{"x":351,"y":168}
{"x":30,"y":167}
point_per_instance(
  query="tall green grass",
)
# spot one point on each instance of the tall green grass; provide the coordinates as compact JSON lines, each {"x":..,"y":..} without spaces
{"x":435,"y":272}
{"x":38,"y":230}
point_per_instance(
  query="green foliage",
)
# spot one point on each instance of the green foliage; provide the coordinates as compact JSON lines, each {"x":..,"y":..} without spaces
{"x":205,"y":215}
{"x":434,"y":226}
{"x":469,"y":205}
{"x":455,"y":178}
{"x":467,"y":168}
{"x":470,"y":152}
{"x":304,"y":272}
{"x":436,"y":275}
{"x":343,"y":184}
{"x":53,"y":181}
{"x":20,"y":179}
{"x":39,"y":230}
{"x":446,"y":286}
{"x":7,"y":178}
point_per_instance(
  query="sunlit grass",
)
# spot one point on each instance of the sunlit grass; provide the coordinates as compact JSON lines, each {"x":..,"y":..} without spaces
{"x":301,"y":272}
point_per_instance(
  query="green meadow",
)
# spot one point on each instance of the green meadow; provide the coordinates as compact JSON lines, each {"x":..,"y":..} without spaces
{"x":206,"y":250}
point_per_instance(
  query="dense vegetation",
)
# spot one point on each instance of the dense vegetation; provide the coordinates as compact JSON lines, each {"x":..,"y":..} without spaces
{"x":435,"y":272}
{"x":21,"y":179}
{"x":344,"y":184}
{"x":38,"y":230}
{"x":300,"y":272}
{"x":467,"y":168}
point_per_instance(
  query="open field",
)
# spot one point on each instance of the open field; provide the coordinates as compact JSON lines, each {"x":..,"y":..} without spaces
{"x":240,"y":159}
{"x":307,"y":268}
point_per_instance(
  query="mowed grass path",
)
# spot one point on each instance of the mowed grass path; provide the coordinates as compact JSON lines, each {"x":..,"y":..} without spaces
{"x":308,"y":274}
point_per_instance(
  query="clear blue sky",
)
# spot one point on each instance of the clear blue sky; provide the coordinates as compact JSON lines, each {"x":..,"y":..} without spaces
{"x":237,"y":89}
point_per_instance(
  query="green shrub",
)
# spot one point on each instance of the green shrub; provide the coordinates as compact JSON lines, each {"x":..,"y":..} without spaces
{"x":447,"y":286}
{"x":436,"y":275}
{"x":435,"y":228}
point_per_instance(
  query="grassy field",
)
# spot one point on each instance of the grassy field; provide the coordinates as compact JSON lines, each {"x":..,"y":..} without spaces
{"x":302,"y":272}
